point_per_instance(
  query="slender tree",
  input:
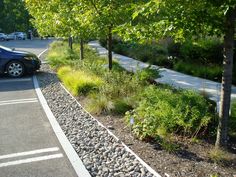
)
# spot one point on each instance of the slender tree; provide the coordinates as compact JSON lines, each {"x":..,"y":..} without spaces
{"x":61,"y":18}
{"x":190,"y":19}
{"x":106,"y":16}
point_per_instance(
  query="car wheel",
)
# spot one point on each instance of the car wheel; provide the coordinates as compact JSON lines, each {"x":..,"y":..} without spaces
{"x":15,"y":69}
{"x":2,"y":39}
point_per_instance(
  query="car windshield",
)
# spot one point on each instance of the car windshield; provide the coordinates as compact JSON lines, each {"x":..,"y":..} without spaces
{"x":5,"y":48}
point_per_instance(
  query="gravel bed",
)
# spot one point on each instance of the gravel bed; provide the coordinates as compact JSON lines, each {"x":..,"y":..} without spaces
{"x":100,"y":152}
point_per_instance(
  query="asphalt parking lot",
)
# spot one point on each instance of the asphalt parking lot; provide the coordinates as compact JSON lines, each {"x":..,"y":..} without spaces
{"x":28,"y":145}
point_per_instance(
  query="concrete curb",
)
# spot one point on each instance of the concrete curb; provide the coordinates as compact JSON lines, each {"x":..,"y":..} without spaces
{"x":73,"y":157}
{"x":150,"y":169}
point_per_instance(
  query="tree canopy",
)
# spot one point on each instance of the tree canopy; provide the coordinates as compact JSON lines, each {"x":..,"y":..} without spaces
{"x":14,"y":16}
{"x":142,"y":20}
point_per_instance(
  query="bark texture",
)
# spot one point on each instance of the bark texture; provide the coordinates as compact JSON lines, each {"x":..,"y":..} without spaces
{"x":222,"y":131}
{"x":81,"y":49}
{"x":109,"y":46}
{"x":70,"y":41}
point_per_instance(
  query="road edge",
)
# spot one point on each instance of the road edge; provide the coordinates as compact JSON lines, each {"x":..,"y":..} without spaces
{"x":73,"y":157}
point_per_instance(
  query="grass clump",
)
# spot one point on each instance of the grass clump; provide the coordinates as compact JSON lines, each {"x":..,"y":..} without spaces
{"x":98,"y":103}
{"x":218,"y":156}
{"x":117,"y":93}
{"x":78,"y":82}
{"x":56,"y":55}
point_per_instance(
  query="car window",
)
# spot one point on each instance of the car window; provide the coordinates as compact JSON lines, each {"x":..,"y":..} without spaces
{"x":5,"y":48}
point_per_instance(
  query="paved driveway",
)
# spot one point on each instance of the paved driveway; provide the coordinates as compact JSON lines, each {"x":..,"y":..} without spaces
{"x":28,"y":145}
{"x":34,"y":46}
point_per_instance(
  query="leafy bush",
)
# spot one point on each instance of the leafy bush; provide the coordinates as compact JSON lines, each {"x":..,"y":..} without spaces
{"x":213,"y":72}
{"x":147,"y":74}
{"x":151,"y":53}
{"x":203,"y":51}
{"x":79,"y":82}
{"x":181,"y":111}
{"x":121,"y":106}
{"x":232,"y":122}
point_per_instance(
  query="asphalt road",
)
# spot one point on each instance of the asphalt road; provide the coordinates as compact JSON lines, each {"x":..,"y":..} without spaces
{"x":28,"y":145}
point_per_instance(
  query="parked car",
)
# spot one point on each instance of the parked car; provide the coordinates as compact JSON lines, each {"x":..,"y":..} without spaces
{"x":16,"y":35}
{"x":11,"y":36}
{"x":20,"y":35}
{"x":3,"y":37}
{"x":16,"y":63}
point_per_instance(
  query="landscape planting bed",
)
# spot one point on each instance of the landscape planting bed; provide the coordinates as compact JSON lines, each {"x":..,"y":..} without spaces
{"x":103,"y":155}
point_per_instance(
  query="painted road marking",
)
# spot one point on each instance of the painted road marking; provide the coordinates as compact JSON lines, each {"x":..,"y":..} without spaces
{"x":19,"y":101}
{"x":73,"y":157}
{"x":39,"y":55}
{"x":30,"y":160}
{"x":16,"y":80}
{"x":37,"y":151}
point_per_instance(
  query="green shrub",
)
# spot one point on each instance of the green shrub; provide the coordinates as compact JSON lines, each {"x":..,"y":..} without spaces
{"x":212,"y":50}
{"x":121,"y":106}
{"x":213,"y":72}
{"x":173,"y":49}
{"x":182,"y":111}
{"x":117,"y":94}
{"x":147,"y":74}
{"x":232,"y":121}
{"x":119,"y":84}
{"x":79,"y":82}
{"x":209,"y":50}
{"x":191,"y":52}
{"x":122,"y":49}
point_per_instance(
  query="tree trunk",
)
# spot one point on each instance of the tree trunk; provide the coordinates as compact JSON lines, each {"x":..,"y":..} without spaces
{"x":81,"y":49}
{"x":222,"y":131}
{"x":70,"y":41}
{"x":109,"y":46}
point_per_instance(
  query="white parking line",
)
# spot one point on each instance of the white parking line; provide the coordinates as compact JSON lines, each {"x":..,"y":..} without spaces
{"x":19,"y":101}
{"x":39,"y":55}
{"x":73,"y":157}
{"x":15,"y":80}
{"x":37,"y":151}
{"x":27,"y":99}
{"x":29,"y":160}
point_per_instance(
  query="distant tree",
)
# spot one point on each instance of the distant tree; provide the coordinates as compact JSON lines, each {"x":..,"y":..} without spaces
{"x":14,"y":16}
{"x":61,"y":18}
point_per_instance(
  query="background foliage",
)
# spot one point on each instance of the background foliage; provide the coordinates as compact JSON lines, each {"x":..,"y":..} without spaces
{"x":14,"y":16}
